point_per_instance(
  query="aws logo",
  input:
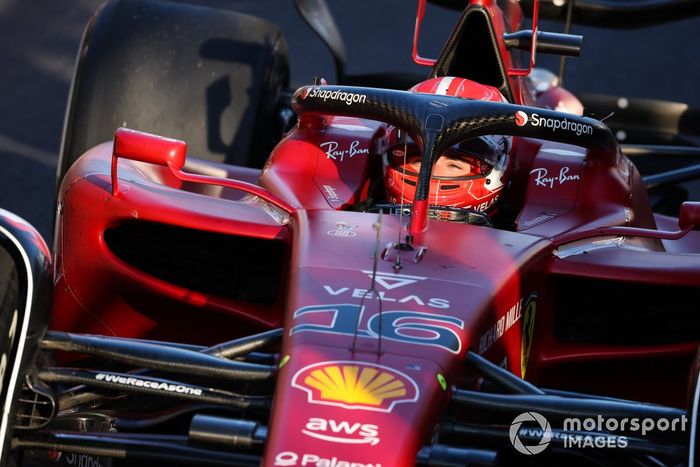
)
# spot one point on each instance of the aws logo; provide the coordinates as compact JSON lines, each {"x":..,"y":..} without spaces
{"x":355,"y":385}
{"x":342,"y":431}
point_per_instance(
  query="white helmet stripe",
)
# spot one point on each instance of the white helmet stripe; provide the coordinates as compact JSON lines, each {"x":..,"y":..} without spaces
{"x":444,"y":85}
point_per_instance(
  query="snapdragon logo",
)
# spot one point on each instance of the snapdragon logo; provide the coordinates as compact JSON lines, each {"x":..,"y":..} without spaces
{"x":518,"y":433}
{"x":522,"y":119}
{"x":337,"y":95}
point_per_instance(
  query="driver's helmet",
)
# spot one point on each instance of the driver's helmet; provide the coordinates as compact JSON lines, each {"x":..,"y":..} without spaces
{"x":469,"y":175}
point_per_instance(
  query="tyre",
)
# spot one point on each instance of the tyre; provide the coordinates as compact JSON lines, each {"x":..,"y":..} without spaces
{"x":9,"y":314}
{"x":24,"y":300}
{"x":213,"y":78}
{"x":693,"y":404}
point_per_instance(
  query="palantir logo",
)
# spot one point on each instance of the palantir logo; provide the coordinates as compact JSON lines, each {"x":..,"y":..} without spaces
{"x":520,"y":118}
{"x":516,"y":431}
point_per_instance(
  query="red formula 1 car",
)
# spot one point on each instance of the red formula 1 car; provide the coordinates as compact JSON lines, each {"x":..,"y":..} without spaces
{"x":469,"y":272}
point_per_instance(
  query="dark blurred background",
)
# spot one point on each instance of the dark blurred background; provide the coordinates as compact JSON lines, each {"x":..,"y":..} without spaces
{"x":39,"y":38}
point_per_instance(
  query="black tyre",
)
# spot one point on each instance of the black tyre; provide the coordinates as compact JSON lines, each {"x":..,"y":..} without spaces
{"x":210,"y":77}
{"x":24,"y":299}
{"x":694,"y":412}
{"x":9,"y":316}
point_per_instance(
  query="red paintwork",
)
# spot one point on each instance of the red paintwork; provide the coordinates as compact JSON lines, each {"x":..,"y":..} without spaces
{"x":471,"y":282}
{"x":533,"y":44}
{"x":416,"y":34}
{"x":519,"y":84}
{"x":138,"y":146}
{"x":30,"y":232}
{"x":689,"y":217}
{"x":126,"y":307}
{"x":560,"y":99}
{"x":458,"y":87}
{"x":419,"y":219}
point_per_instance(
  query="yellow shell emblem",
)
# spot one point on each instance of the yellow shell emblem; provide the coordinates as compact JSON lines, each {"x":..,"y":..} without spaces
{"x":356,"y":385}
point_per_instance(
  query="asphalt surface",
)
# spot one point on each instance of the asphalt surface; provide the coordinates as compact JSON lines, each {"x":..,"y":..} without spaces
{"x":39,"y":39}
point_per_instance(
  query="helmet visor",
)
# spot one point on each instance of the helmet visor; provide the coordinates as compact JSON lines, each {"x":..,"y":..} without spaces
{"x":471,"y":158}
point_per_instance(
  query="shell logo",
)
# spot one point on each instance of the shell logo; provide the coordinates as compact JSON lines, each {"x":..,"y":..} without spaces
{"x":355,"y":385}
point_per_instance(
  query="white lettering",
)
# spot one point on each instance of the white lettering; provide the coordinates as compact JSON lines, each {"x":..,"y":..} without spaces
{"x":361,"y":293}
{"x":330,"y":290}
{"x":557,"y":124}
{"x":354,"y":433}
{"x":432,"y":302}
{"x":343,"y":427}
{"x":332,"y":151}
{"x":82,"y":460}
{"x":504,"y":323}
{"x":438,"y":303}
{"x":337,"y":95}
{"x":513,"y":315}
{"x":317,"y":424}
{"x":604,"y":424}
{"x":286,"y":458}
{"x":331,"y":193}
{"x":137,"y":382}
{"x":382,"y":295}
{"x":310,"y":459}
{"x":414,"y":298}
{"x":542,"y":178}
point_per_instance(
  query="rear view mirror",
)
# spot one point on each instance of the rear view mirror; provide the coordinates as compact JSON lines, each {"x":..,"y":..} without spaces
{"x":145,"y":147}
{"x":170,"y":153}
{"x":689,"y":217}
{"x":416,"y":34}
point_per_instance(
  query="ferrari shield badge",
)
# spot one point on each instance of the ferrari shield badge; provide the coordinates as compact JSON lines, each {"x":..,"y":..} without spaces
{"x":355,"y":385}
{"x":528,"y":331}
